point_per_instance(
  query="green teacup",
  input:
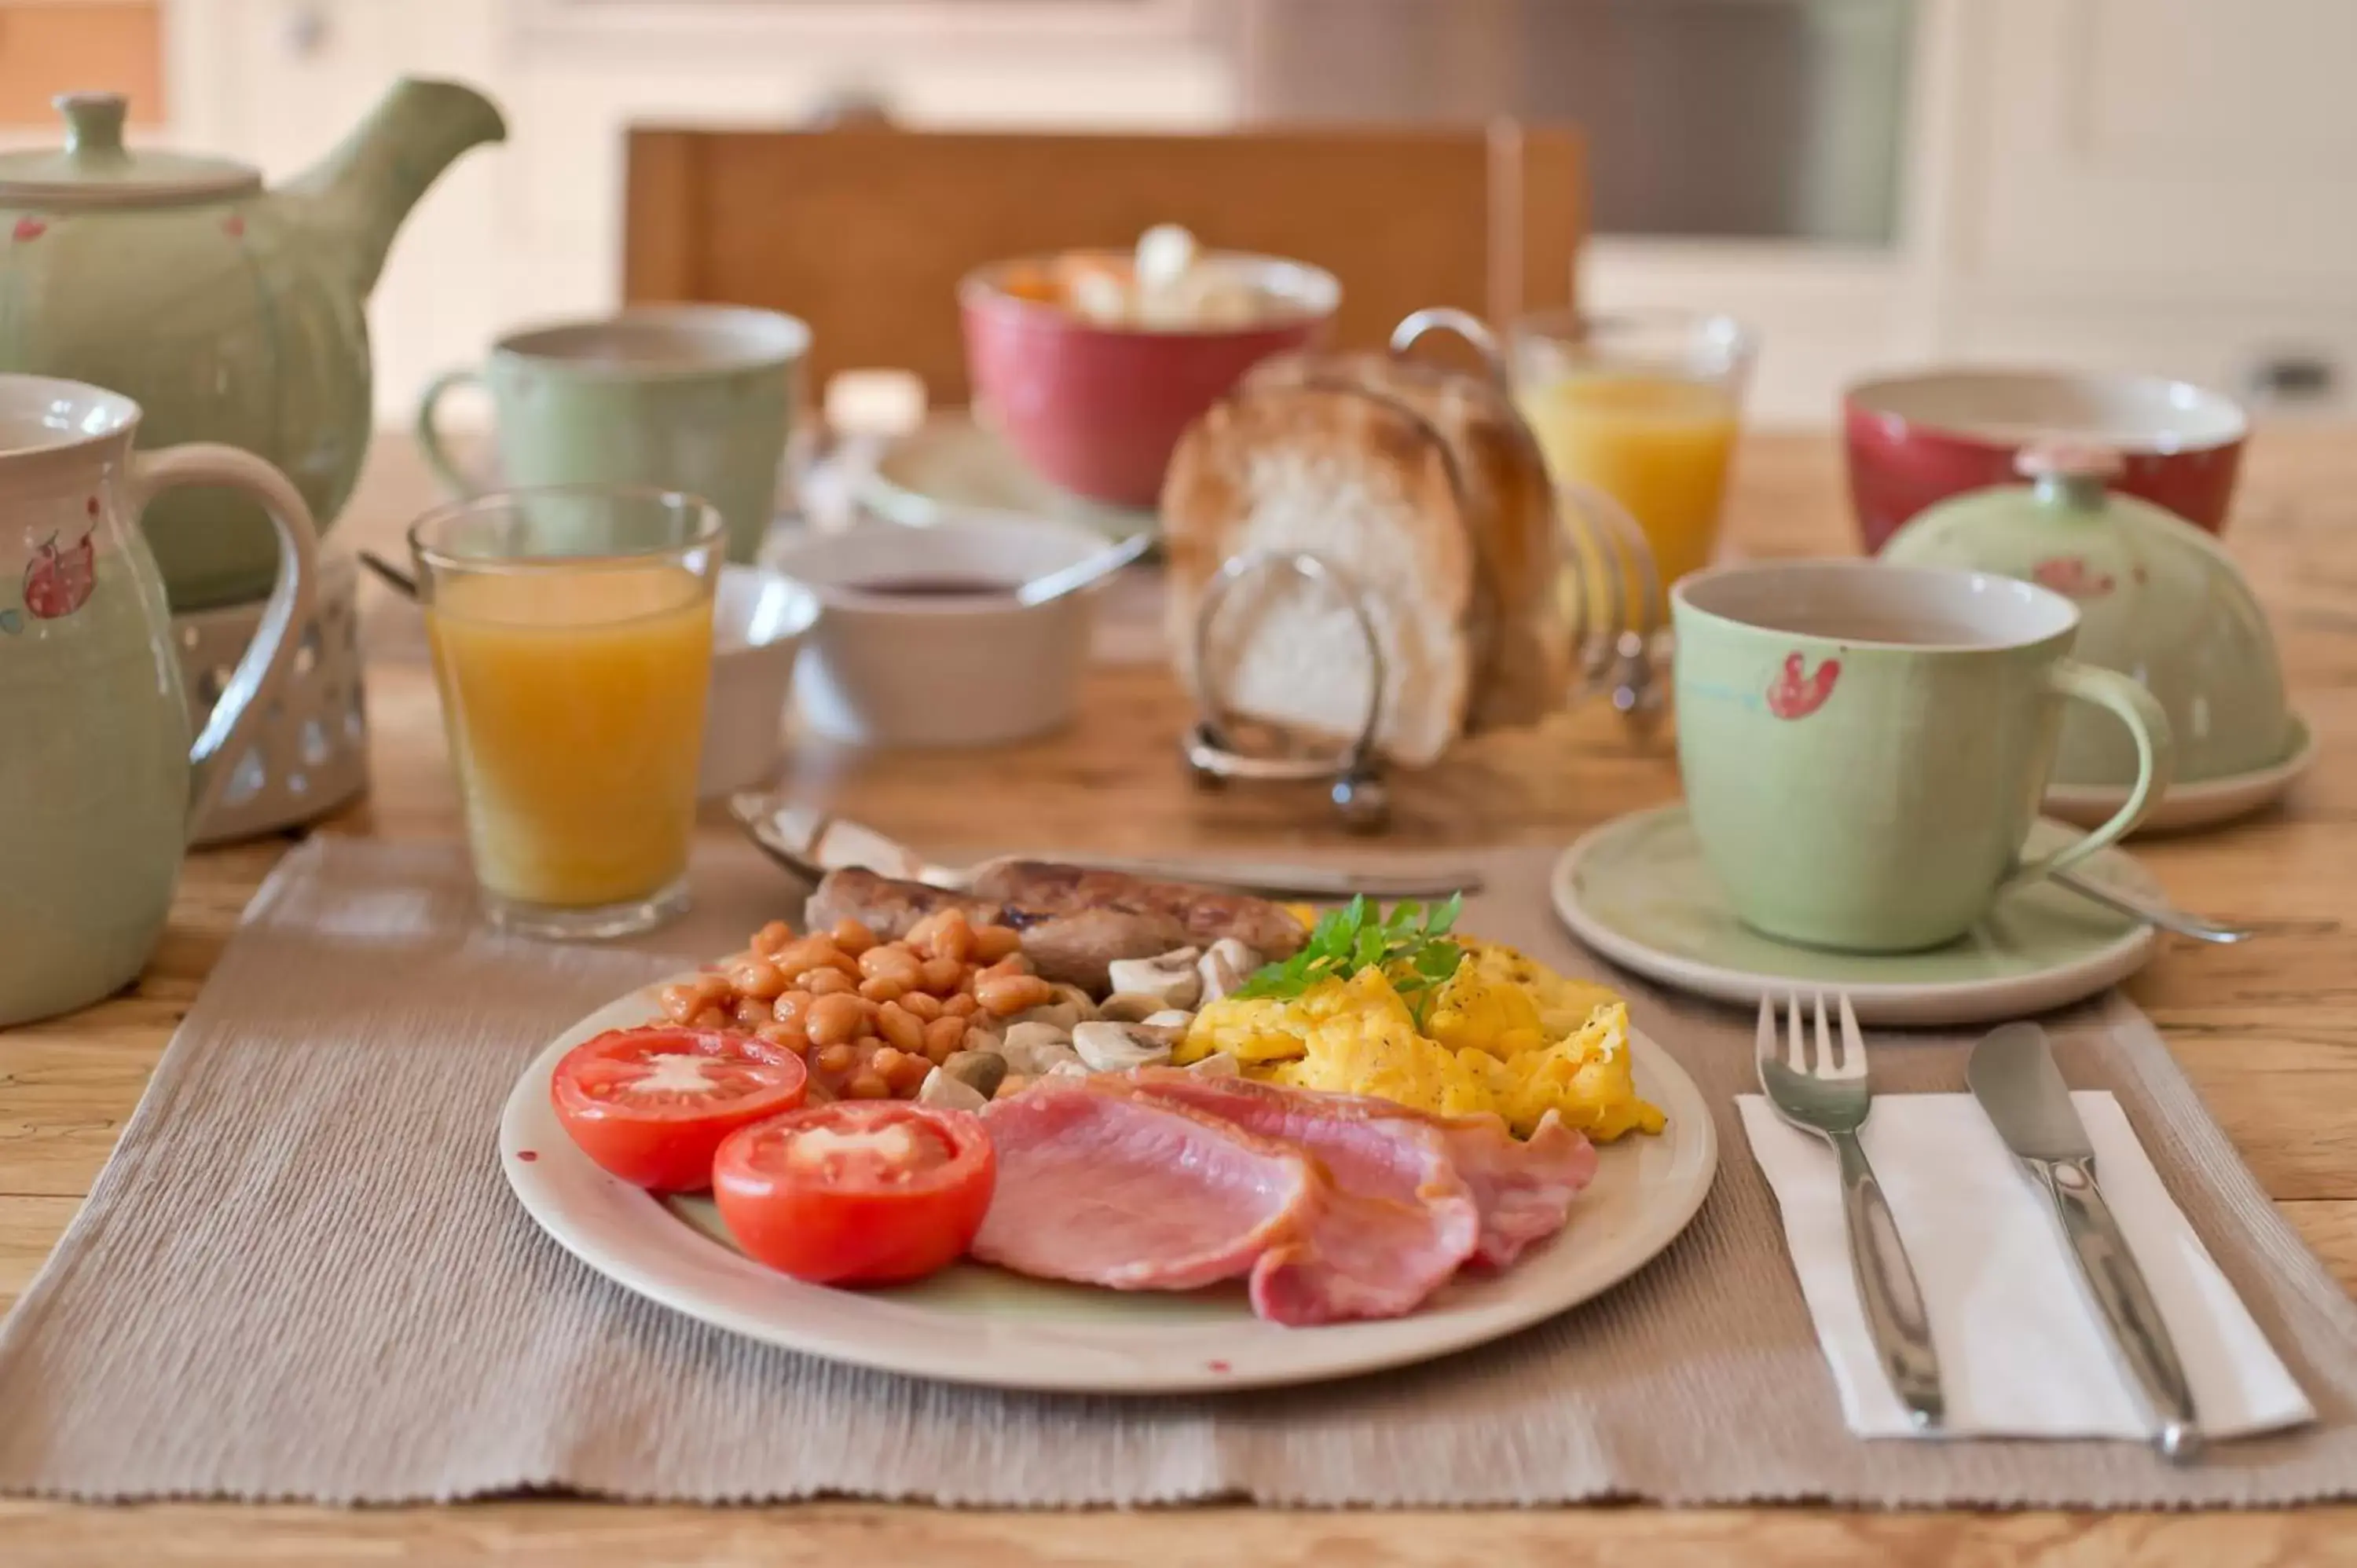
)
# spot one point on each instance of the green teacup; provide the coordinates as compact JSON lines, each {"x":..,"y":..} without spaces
{"x":698,"y":398}
{"x":1864,"y":745}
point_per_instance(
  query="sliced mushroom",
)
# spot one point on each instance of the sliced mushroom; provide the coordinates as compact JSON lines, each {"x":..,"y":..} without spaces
{"x":1117,"y":1047}
{"x":1131,"y":1006}
{"x":1075,"y":1069}
{"x":1061,"y":1014}
{"x":1170,"y":979}
{"x":1083,"y":1006}
{"x":1034,"y":1055}
{"x":1174,"y":1019}
{"x":980,"y":1070}
{"x":1218,"y":1064}
{"x":945,"y":1088}
{"x":1224,"y":969}
{"x":1024,"y":1034}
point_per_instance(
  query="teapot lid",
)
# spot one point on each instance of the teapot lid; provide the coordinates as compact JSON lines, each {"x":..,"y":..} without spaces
{"x":94,"y":169}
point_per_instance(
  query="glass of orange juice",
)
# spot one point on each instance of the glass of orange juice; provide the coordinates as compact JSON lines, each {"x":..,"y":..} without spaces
{"x":1643,"y":406}
{"x":571,"y":629}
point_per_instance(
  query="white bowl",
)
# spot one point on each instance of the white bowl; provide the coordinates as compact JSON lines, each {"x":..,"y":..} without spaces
{"x":758,"y":620}
{"x":947,"y":669}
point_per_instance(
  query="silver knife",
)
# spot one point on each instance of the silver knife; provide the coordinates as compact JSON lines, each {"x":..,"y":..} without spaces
{"x":811,"y":843}
{"x":2012,"y":1074}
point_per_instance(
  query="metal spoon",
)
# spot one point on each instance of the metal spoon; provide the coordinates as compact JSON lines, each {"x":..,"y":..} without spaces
{"x":2160,"y":915}
{"x":811,"y":843}
{"x":399,"y":581}
{"x":1080,"y":574}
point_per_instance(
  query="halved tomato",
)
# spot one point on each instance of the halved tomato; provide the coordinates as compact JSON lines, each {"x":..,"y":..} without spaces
{"x":857,"y":1193}
{"x":651,"y":1105}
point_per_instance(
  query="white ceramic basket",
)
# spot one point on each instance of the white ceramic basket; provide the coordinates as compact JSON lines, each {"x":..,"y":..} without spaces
{"x":309,"y":754}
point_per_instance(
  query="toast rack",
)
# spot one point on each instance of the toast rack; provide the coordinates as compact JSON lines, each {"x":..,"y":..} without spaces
{"x":1616,"y":643}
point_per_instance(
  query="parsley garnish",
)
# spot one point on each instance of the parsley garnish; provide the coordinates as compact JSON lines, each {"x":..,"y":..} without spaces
{"x":1411,"y":946}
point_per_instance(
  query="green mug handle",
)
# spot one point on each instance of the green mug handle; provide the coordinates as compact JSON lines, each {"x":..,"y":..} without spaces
{"x":429,"y":439}
{"x":2156,"y":760}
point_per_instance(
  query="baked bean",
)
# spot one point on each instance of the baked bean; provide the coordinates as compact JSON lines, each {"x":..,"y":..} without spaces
{"x":710,"y":1018}
{"x":892,"y":959}
{"x":852,"y":937}
{"x":882,"y":988}
{"x":1007,"y":995}
{"x":920,"y":935}
{"x":794,"y":1007}
{"x":925,"y":1006}
{"x":992,"y":943}
{"x":814,"y":952}
{"x":1011,"y":965}
{"x":902,"y":1072}
{"x":826,"y":981}
{"x":867,"y":1084}
{"x":679,"y":1003}
{"x":952,"y":938}
{"x":834,"y":1058}
{"x":834,"y":1018}
{"x":711,"y":987}
{"x":943,"y":1037}
{"x":789,"y":1036}
{"x":961,"y":1005}
{"x":900,"y":1027}
{"x":751,"y":1013}
{"x":757,"y":978}
{"x":771,"y":937}
{"x":940,"y":975}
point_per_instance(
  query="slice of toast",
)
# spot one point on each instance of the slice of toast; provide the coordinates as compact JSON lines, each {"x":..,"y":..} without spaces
{"x":1525,"y":654}
{"x":1368,"y":484}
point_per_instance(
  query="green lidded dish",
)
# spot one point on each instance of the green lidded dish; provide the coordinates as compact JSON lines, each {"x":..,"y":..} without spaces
{"x":2159,"y":599}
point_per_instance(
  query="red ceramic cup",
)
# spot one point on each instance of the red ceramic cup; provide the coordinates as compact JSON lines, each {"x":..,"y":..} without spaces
{"x":1916,"y":439}
{"x":1096,"y":409}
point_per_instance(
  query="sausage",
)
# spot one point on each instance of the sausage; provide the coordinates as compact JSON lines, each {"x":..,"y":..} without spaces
{"x":1073,"y":922}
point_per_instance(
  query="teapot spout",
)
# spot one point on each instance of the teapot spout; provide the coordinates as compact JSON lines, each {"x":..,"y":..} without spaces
{"x":355,"y":198}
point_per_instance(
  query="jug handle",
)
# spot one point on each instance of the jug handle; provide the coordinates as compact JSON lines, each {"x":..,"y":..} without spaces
{"x":254,"y":685}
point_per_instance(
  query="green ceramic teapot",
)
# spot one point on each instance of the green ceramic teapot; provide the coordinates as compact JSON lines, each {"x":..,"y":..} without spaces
{"x":2159,"y":599}
{"x":230,"y":313}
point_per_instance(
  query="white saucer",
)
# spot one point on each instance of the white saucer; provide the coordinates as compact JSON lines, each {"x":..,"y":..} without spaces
{"x":950,"y":467}
{"x":1636,"y":891}
{"x":2202,"y":804}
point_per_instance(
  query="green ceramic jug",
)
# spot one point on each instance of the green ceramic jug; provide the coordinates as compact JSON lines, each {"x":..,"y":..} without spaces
{"x":2159,"y":599}
{"x":100,"y":777}
{"x":229,"y":313}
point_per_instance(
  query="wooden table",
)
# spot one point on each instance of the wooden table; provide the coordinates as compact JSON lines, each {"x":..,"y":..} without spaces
{"x":2268,"y":1032}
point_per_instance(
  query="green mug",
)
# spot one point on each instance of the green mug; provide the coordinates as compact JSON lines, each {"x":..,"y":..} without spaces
{"x":697,"y":398}
{"x":1864,"y":745}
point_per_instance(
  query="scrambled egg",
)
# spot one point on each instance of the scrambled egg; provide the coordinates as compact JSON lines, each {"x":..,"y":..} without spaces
{"x":1504,"y":1035}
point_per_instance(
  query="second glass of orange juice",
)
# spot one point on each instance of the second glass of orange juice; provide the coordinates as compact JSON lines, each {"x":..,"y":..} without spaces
{"x":571,"y":629}
{"x":1643,"y":407}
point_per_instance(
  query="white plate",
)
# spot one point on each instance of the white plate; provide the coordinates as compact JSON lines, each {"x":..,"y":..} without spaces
{"x":950,"y":467}
{"x":2202,"y":804}
{"x":977,"y":1324}
{"x":1636,"y":890}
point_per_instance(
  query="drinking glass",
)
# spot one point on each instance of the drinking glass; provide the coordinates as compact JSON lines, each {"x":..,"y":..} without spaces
{"x":571,"y":629}
{"x":1643,"y":406}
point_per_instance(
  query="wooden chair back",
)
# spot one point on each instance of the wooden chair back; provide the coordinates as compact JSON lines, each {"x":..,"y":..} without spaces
{"x":864,"y":231}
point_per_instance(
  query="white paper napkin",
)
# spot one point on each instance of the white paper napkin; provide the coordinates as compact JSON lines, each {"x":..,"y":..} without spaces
{"x":2022,"y":1352}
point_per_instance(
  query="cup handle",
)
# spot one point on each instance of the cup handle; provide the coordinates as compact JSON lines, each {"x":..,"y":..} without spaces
{"x":255,"y":683}
{"x":429,"y":436}
{"x":2156,"y":760}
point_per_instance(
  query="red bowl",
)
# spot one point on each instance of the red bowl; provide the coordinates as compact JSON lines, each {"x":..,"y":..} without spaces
{"x":1096,"y":409}
{"x":1916,"y":439}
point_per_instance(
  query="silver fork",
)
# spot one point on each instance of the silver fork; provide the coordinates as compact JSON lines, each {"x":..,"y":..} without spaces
{"x":1829,"y":1097}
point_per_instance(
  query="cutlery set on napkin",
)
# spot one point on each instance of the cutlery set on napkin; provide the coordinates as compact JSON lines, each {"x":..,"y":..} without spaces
{"x":1970,"y":1275}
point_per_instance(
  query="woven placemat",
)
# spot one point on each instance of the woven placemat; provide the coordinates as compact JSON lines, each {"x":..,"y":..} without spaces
{"x":302,"y":1276}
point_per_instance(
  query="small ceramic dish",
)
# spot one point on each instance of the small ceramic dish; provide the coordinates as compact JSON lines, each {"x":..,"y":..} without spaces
{"x":1097,"y":406}
{"x":1915,"y":439}
{"x":759,"y":621}
{"x":921,"y":641}
{"x":950,"y":467}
